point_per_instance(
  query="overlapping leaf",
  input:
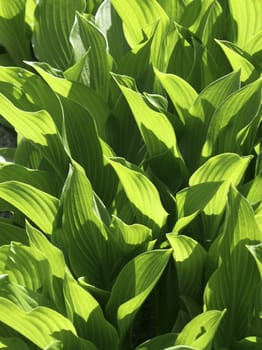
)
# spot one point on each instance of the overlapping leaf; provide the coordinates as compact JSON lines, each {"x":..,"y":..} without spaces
{"x":189,"y":257}
{"x":88,"y":317}
{"x":236,"y":270}
{"x":133,"y":285}
{"x":200,"y":331}
{"x":84,"y":36}
{"x":86,"y":239}
{"x":41,"y":325}
{"x":35,"y":204}
{"x":53,"y":23}
{"x":142,"y":194}
{"x":13,"y":30}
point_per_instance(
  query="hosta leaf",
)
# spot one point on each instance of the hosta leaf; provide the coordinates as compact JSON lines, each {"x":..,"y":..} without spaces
{"x":237,"y":112}
{"x":130,"y":237}
{"x":33,"y":177}
{"x":85,"y":35}
{"x":54,"y":256}
{"x":241,"y":12}
{"x":79,"y":72}
{"x":24,"y":298}
{"x":29,"y":12}
{"x":30,"y":84}
{"x":38,"y":127}
{"x":135,"y":62}
{"x":35,"y":204}
{"x":189,"y":257}
{"x":249,"y":343}
{"x":10,"y":232}
{"x":181,"y":93}
{"x":110,"y":24}
{"x":223,"y":167}
{"x":239,"y":59}
{"x":70,"y":341}
{"x":56,"y":263}
{"x":157,"y":133}
{"x":27,"y":268}
{"x":200,"y":114}
{"x":191,"y":200}
{"x":174,"y":9}
{"x":136,"y":16}
{"x":253,"y":47}
{"x":251,"y":189}
{"x":13,"y":30}
{"x":82,"y":135}
{"x":53,"y":23}
{"x":12,"y":344}
{"x":86,"y":239}
{"x":236,"y":270}
{"x":227,"y":167}
{"x":133,"y":285}
{"x":164,"y":341}
{"x":80,"y":94}
{"x":40,"y":326}
{"x":256,"y":251}
{"x":87,"y":316}
{"x":142,"y":194}
{"x":200,"y":331}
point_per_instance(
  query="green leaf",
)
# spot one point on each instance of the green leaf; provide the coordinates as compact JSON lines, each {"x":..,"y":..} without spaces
{"x":200,"y":331}
{"x":27,"y":269}
{"x":200,"y":115}
{"x":110,"y":24}
{"x":242,"y":28}
{"x":191,"y":200}
{"x":79,"y":93}
{"x":35,"y":204}
{"x":223,"y":167}
{"x":180,"y":92}
{"x":226,"y":167}
{"x":87,"y":316}
{"x":30,"y":84}
{"x":157,"y":133}
{"x":133,"y":285}
{"x":86,"y":236}
{"x":81,"y":134}
{"x":38,"y":127}
{"x":130,"y":237}
{"x":238,"y":111}
{"x":256,"y":251}
{"x":164,"y":341}
{"x":174,"y":9}
{"x":13,"y":30}
{"x":54,"y":255}
{"x":33,"y":177}
{"x":249,"y":343}
{"x":84,"y":36}
{"x":136,"y":16}
{"x":142,"y":194}
{"x":12,"y":344}
{"x":10,"y":232}
{"x":190,"y":258}
{"x":239,"y":59}
{"x":236,"y":270}
{"x":53,"y":23}
{"x":41,"y":325}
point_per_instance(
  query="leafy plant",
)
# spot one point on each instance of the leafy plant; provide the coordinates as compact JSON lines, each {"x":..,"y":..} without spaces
{"x":132,"y":202}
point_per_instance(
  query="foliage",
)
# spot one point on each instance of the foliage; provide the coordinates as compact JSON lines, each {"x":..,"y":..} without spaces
{"x":134,"y":194}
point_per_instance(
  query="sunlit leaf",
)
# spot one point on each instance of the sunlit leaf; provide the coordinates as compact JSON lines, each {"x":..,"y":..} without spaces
{"x":236,"y":270}
{"x":53,"y":23}
{"x":133,"y":285}
{"x":200,"y":331}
